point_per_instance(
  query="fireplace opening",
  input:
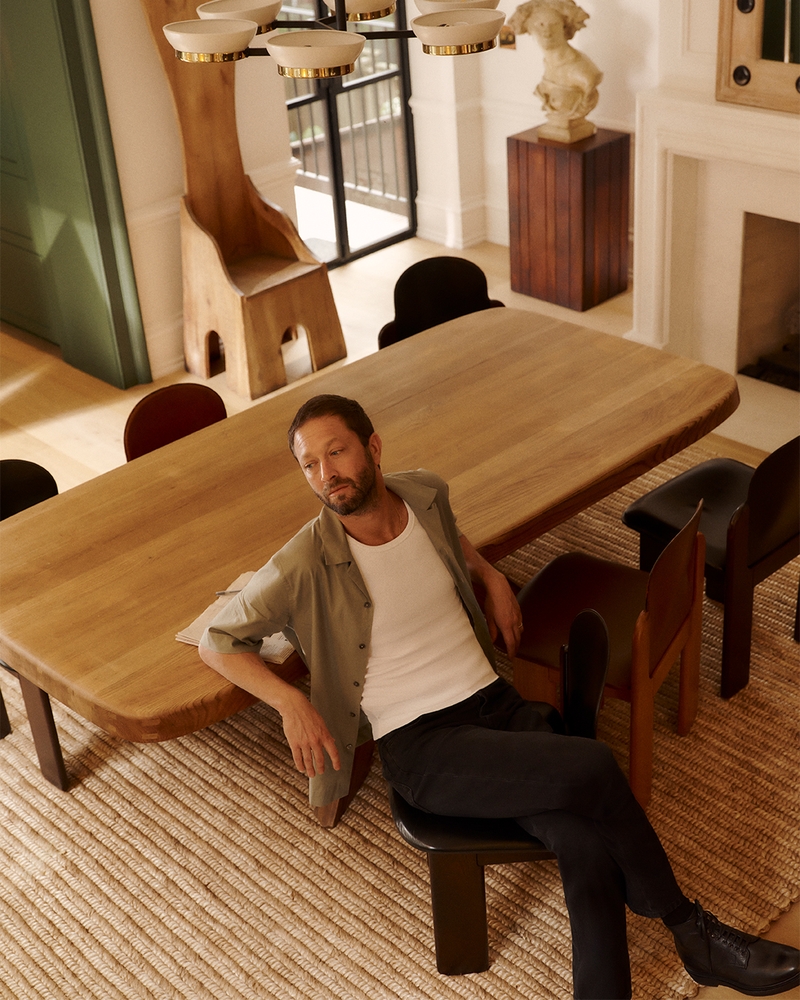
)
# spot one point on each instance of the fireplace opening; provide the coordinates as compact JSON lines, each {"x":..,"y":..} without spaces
{"x":769,"y":307}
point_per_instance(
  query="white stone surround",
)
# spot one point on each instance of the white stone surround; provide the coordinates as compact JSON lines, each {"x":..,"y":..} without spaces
{"x":700,"y":166}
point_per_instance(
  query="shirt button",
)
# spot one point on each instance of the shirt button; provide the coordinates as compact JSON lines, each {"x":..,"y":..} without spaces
{"x":367,"y":604}
{"x":362,"y":645}
{"x":349,"y":746}
{"x":352,"y":715}
{"x":356,"y":684}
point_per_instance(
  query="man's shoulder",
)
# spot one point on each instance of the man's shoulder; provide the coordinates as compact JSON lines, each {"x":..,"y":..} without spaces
{"x":422,"y":478}
{"x":320,"y":540}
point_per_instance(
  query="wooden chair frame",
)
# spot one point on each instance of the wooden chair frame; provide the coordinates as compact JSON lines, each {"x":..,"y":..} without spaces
{"x":247,"y":275}
{"x":542,"y":682}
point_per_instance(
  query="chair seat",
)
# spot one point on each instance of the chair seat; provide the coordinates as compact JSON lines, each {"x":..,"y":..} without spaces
{"x":564,"y":588}
{"x":252,"y":275}
{"x":458,"y":834}
{"x":721,"y":483}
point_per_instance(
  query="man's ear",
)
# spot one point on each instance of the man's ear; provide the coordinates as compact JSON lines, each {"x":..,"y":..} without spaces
{"x":375,"y":446}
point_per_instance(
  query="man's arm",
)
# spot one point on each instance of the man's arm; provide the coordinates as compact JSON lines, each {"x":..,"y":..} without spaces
{"x":308,"y":736}
{"x":502,"y":611}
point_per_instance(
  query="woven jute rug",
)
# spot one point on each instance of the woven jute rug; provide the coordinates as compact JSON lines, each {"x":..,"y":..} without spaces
{"x":194,"y":869}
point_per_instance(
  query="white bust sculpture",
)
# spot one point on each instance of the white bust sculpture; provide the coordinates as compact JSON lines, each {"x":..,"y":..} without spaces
{"x":568,"y":88}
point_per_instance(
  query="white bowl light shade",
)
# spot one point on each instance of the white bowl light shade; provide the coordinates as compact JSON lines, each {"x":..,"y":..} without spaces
{"x":263,"y":13}
{"x":316,"y":53}
{"x":437,"y":6}
{"x":210,"y":40}
{"x":458,"y":32}
{"x":364,"y":10}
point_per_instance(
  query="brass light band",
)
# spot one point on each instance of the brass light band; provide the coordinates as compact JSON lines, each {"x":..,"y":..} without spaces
{"x":322,"y":73}
{"x":209,"y":57}
{"x":372,"y":15}
{"x":459,"y":50}
{"x":264,"y":28}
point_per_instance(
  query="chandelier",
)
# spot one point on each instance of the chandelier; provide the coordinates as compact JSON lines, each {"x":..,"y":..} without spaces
{"x":224,"y":30}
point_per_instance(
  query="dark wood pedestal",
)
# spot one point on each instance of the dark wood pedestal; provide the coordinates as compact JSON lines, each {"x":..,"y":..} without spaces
{"x":569,"y":217}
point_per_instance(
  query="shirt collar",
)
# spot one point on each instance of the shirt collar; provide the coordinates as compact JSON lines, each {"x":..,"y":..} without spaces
{"x":334,"y":538}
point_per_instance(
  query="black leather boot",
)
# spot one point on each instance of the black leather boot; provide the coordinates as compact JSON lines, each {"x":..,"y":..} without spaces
{"x":717,"y":955}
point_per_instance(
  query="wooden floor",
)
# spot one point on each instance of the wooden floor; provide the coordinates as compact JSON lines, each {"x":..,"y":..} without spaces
{"x":72,"y":423}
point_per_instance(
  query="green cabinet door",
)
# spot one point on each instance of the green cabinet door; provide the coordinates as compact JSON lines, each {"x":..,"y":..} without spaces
{"x":66,"y":267}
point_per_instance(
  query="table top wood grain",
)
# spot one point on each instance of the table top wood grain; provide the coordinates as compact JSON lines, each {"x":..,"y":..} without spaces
{"x":529,"y":419}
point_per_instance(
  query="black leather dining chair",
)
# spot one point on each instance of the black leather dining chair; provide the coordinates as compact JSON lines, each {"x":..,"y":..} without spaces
{"x":458,"y":849}
{"x":751,"y":522}
{"x":24,"y":484}
{"x":433,"y":291}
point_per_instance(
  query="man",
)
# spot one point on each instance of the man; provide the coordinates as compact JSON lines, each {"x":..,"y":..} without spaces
{"x":375,"y":594}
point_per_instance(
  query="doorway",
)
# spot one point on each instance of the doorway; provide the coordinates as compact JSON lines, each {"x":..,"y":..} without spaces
{"x":67,"y":274}
{"x":353,"y":141}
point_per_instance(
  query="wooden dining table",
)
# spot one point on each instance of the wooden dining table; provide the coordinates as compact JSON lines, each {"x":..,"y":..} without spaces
{"x":529,"y":419}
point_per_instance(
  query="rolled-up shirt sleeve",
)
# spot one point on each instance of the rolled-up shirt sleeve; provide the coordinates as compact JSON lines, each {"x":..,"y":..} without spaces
{"x":261,"y":609}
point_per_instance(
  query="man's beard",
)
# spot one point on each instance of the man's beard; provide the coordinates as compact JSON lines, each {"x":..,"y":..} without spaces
{"x":361,"y":497}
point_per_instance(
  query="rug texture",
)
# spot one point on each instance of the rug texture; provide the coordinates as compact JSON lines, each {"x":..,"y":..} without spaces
{"x":194,"y":868}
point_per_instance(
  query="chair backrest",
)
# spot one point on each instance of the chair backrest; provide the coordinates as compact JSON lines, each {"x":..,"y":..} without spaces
{"x":433,"y":291}
{"x":774,"y":501}
{"x":585,"y":670}
{"x":22,"y":485}
{"x":168,"y":414}
{"x":671,"y":587}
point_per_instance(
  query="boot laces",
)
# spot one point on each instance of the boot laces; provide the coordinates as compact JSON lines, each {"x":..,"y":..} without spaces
{"x":727,"y":936}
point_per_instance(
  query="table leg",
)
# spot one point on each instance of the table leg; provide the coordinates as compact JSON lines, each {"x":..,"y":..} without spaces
{"x":45,"y":735}
{"x":5,"y":725}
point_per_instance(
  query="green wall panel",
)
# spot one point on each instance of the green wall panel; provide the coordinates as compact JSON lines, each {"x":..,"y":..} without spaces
{"x":64,"y":157}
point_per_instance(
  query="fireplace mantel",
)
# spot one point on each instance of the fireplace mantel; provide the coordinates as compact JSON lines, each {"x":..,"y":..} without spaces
{"x":700,"y":165}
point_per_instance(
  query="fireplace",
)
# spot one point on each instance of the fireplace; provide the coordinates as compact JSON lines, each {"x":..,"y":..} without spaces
{"x":703,"y":168}
{"x":769,"y":303}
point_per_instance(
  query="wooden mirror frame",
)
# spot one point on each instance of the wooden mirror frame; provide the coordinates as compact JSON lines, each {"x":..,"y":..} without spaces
{"x":769,"y":84}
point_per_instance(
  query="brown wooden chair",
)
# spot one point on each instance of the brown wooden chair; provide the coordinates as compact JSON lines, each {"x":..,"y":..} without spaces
{"x":24,"y":484}
{"x":651,"y":618}
{"x":433,"y":291}
{"x":248,"y":277}
{"x":751,"y":523}
{"x":458,"y":849}
{"x":168,"y":414}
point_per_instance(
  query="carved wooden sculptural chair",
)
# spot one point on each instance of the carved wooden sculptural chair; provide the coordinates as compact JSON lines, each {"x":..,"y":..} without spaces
{"x":23,"y":485}
{"x":652,"y":618}
{"x":247,"y":275}
{"x":433,"y":291}
{"x":751,"y":522}
{"x":459,"y":849}
{"x":168,"y":414}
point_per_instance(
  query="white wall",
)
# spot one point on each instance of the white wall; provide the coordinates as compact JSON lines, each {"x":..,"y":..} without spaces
{"x":484,"y":99}
{"x":150,"y":164}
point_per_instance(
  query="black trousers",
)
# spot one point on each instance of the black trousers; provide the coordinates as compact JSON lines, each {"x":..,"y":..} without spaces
{"x":494,"y":755}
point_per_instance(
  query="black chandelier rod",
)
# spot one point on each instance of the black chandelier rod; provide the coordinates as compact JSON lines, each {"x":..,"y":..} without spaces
{"x":337,"y":21}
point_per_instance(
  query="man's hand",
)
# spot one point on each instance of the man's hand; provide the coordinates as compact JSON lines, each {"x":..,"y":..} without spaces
{"x":308,"y":736}
{"x":503,"y":613}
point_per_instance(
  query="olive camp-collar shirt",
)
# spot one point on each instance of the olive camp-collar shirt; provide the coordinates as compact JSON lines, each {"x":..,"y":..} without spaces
{"x":312,"y":591}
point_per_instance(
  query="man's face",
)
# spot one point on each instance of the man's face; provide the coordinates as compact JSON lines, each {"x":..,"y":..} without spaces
{"x":339,"y":469}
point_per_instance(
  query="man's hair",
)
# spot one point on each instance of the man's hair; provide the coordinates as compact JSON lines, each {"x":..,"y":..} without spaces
{"x":328,"y":405}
